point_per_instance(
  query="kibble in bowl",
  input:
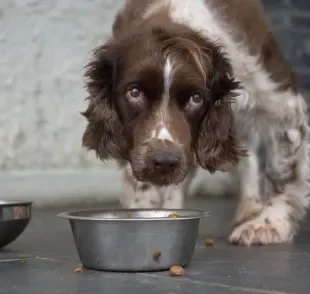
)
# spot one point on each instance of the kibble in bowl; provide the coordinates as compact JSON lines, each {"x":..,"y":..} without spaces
{"x":173,"y":215}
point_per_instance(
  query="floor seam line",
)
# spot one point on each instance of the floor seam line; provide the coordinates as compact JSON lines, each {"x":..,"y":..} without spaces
{"x":212,"y":284}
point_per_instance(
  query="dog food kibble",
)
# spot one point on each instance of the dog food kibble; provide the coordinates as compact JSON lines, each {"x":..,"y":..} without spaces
{"x":156,"y":254}
{"x":176,"y":271}
{"x":79,"y":270}
{"x":173,"y":215}
{"x":209,"y":242}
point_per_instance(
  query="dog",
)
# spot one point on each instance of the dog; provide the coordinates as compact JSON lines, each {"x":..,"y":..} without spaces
{"x":201,"y":83}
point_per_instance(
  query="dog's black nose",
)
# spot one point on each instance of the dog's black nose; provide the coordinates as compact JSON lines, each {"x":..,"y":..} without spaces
{"x":165,"y":161}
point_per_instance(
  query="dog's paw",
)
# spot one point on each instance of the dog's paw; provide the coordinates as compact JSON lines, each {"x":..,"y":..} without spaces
{"x":263,"y":230}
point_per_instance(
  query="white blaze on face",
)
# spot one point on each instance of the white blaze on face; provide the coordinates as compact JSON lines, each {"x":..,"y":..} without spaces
{"x":164,"y":133}
{"x":167,"y":77}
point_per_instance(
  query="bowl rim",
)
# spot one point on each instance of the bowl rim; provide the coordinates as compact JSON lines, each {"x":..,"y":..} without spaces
{"x":69,"y":215}
{"x":10,"y":203}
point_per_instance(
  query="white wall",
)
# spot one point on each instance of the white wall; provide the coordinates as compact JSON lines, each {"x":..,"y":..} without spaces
{"x":44,"y":45}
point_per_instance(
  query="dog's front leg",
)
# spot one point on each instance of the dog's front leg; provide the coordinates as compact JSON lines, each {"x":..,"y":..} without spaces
{"x":138,"y":194}
{"x":145,"y":195}
{"x":284,"y":180}
{"x":173,"y":197}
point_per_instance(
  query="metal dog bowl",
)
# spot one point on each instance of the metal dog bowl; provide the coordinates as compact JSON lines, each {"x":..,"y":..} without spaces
{"x":134,"y":240}
{"x":14,"y":218}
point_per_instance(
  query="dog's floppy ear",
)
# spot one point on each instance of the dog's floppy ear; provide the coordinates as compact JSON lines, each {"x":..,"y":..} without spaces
{"x":217,"y":147}
{"x":104,"y":132}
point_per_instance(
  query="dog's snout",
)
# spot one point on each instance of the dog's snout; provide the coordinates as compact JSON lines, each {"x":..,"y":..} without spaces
{"x":165,"y":161}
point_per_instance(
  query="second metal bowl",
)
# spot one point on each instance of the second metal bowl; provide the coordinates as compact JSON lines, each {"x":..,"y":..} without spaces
{"x":14,"y":218}
{"x":134,"y":240}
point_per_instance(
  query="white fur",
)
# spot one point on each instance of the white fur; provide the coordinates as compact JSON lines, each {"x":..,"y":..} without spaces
{"x":154,"y":197}
{"x":173,"y":197}
{"x":294,"y":137}
{"x":166,"y":96}
{"x":164,"y":134}
{"x":136,"y":198}
{"x":249,"y":176}
{"x":147,"y":199}
{"x":167,"y":76}
{"x":163,"y":115}
{"x":249,"y":194}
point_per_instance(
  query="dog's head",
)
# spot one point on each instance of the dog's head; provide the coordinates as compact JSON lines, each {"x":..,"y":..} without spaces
{"x":161,"y":98}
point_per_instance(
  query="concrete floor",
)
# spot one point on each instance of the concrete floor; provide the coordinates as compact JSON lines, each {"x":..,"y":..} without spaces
{"x":43,"y":259}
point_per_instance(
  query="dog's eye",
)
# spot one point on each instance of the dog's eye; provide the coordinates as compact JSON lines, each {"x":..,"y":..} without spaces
{"x":195,"y":100}
{"x":134,"y":94}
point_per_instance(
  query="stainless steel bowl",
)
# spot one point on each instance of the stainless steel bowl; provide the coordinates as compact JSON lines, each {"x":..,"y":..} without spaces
{"x":14,"y":218}
{"x":134,"y":240}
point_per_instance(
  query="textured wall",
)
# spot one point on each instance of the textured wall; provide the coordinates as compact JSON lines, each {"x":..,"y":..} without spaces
{"x":43,"y":47}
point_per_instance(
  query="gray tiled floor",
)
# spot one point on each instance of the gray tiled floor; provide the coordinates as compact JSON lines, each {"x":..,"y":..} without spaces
{"x":43,"y":259}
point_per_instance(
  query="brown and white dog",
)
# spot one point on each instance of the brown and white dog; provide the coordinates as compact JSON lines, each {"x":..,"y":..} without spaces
{"x":186,"y":83}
